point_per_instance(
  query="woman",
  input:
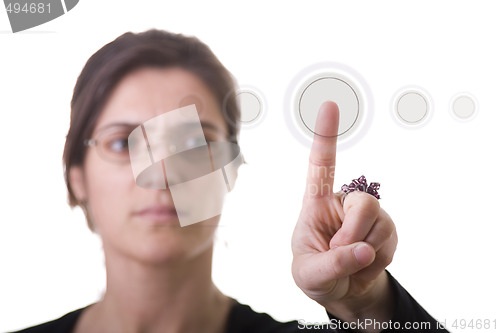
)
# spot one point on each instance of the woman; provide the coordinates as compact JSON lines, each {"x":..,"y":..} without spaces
{"x":158,"y":273}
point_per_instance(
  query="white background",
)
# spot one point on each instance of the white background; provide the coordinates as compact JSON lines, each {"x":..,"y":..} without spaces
{"x":439,"y":182}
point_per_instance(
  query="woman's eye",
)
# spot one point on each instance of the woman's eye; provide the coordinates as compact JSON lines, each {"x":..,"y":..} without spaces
{"x":118,"y":145}
{"x":194,"y":142}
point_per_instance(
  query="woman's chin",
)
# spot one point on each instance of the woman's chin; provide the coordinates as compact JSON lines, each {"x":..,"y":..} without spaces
{"x":160,"y":243}
{"x":175,"y":245}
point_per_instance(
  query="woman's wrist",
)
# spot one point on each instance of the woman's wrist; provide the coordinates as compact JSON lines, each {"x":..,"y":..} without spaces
{"x":376,"y":305}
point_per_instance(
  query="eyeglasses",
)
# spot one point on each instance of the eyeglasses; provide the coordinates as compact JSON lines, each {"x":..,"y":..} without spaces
{"x":113,"y":143}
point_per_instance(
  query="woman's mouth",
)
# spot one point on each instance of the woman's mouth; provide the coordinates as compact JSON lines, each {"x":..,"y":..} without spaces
{"x":158,"y":214}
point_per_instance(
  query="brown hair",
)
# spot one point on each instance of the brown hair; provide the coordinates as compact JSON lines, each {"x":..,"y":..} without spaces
{"x":130,"y":51}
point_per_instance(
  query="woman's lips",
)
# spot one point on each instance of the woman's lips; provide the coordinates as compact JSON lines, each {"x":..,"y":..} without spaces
{"x":158,"y":214}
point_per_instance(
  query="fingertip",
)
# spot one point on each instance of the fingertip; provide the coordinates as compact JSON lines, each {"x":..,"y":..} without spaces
{"x":327,"y":122}
{"x":330,"y":105}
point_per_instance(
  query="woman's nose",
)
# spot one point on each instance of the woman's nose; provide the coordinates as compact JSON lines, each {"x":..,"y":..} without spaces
{"x":153,"y":177}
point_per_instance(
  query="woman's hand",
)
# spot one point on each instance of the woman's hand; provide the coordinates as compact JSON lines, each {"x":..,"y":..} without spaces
{"x":340,"y":251}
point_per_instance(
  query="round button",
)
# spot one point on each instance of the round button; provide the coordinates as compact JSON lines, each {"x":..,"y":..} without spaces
{"x":464,"y":107}
{"x":412,"y":107}
{"x":334,"y":89}
{"x":250,"y":106}
{"x":328,"y":82}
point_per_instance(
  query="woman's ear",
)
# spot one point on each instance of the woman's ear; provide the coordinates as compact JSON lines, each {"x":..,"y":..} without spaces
{"x":77,"y":182}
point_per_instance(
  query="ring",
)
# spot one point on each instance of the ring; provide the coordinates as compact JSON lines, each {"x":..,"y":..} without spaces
{"x":360,"y":184}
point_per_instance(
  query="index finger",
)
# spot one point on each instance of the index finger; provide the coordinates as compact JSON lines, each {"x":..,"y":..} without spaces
{"x":321,"y":170}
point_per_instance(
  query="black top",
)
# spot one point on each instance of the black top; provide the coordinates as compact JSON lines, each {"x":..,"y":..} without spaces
{"x":242,"y":319}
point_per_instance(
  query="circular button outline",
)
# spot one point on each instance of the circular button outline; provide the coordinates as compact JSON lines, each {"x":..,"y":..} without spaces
{"x":262,"y":102}
{"x":396,"y":99}
{"x":327,"y":69}
{"x":246,"y":91}
{"x":454,"y":99}
{"x":329,"y":78}
{"x":398,"y":108}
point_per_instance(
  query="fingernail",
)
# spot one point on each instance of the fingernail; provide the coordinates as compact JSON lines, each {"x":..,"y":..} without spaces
{"x":361,"y":254}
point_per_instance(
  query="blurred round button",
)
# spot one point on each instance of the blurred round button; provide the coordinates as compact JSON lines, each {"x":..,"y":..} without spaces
{"x":250,"y":106}
{"x":464,"y":106}
{"x":412,"y":107}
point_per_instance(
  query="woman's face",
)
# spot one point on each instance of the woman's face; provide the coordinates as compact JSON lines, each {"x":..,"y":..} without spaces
{"x":131,"y":220}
